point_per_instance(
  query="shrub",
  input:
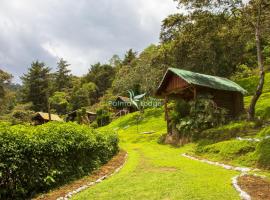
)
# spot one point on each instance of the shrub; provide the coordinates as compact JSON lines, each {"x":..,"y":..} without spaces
{"x":230,"y":149}
{"x":103,"y":117}
{"x":232,"y":130}
{"x":263,"y":152}
{"x":235,"y":151}
{"x":242,"y":71}
{"x":21,"y":116}
{"x":251,"y":83}
{"x":265,"y":132}
{"x":35,"y":159}
{"x":202,"y":114}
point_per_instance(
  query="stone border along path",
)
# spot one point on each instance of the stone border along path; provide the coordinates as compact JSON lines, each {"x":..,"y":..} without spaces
{"x":252,"y":139}
{"x":244,"y":195}
{"x":86,"y":186}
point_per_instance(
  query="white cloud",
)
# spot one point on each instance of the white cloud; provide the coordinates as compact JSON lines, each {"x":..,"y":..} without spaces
{"x":82,"y":32}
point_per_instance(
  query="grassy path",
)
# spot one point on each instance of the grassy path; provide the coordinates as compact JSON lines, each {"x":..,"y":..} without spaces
{"x":156,"y":171}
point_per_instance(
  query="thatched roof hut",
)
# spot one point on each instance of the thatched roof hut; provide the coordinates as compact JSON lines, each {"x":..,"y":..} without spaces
{"x":41,"y":118}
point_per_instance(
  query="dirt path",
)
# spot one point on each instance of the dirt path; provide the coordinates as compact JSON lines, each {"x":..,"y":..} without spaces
{"x":256,"y":187}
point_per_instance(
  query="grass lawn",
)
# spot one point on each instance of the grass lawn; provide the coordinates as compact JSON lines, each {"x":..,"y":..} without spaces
{"x":156,"y":171}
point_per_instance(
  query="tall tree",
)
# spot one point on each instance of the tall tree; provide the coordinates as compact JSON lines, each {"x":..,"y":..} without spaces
{"x":115,"y":61}
{"x":36,"y":84}
{"x":203,"y":34}
{"x":84,"y":95}
{"x":63,"y":77}
{"x":6,"y":97}
{"x":102,"y":76}
{"x":255,"y":15}
{"x":4,"y":79}
{"x":129,"y":57}
{"x":145,"y":74}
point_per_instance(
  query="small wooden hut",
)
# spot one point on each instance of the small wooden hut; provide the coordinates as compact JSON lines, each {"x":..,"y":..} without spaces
{"x":187,"y":85}
{"x":123,"y":105}
{"x":42,"y":118}
{"x":89,"y":116}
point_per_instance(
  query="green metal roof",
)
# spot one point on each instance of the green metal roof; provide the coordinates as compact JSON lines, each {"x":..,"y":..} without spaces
{"x":204,"y":80}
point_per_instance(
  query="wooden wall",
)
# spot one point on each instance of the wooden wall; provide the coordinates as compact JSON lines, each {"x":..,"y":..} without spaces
{"x":232,"y":101}
{"x":175,"y":83}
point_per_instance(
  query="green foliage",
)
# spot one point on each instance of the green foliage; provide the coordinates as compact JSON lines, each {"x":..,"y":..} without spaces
{"x":62,"y":76}
{"x":265,"y":132}
{"x":22,"y":116}
{"x":262,"y":106}
{"x":229,"y":131}
{"x":203,"y":114}
{"x":213,"y":36}
{"x":141,"y":75}
{"x":251,"y":83}
{"x":36,"y":86}
{"x":35,"y":159}
{"x":84,"y":95}
{"x":102,"y":76}
{"x":263,"y":152}
{"x":178,"y":110}
{"x":7,"y":97}
{"x":233,"y":150}
{"x":59,"y":102}
{"x":4,"y":78}
{"x":103,"y":117}
{"x":129,"y":57}
{"x":242,"y":71}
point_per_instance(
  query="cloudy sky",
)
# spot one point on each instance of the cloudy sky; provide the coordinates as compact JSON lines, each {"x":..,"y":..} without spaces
{"x":80,"y":31}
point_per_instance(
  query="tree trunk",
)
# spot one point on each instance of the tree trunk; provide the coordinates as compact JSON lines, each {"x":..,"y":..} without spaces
{"x":49,"y":107}
{"x":167,"y":114}
{"x":251,"y":111}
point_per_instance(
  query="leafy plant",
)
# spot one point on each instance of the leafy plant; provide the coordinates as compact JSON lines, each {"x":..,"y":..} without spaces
{"x":36,"y":159}
{"x":263,"y":152}
{"x":103,"y":117}
{"x":197,"y":116}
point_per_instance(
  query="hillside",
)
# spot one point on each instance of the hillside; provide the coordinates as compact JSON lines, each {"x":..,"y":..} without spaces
{"x":155,"y":171}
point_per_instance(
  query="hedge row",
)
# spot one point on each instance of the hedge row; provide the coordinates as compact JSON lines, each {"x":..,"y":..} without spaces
{"x":36,"y":159}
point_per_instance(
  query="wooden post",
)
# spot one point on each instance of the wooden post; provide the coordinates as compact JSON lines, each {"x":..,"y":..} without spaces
{"x":49,"y":106}
{"x":167,"y":113}
{"x":195,"y":93}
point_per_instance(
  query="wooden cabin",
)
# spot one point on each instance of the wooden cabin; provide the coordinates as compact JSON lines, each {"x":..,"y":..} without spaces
{"x":89,"y":116}
{"x":187,"y":85}
{"x":42,"y":118}
{"x":123,"y":105}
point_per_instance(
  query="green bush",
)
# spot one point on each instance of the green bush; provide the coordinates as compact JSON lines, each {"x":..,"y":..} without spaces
{"x":251,"y":83}
{"x":35,"y":159}
{"x":265,"y":132}
{"x":230,"y":149}
{"x":263,"y":152}
{"x":229,"y":131}
{"x":197,"y":116}
{"x":103,"y":117}
{"x":235,"y":151}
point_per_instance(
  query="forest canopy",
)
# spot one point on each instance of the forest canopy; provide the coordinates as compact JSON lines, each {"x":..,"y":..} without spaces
{"x":205,"y":39}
